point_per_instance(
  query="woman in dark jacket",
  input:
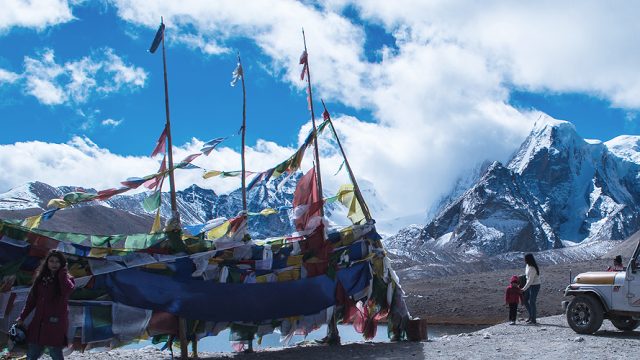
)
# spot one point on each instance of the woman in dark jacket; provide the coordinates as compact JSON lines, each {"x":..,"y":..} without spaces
{"x":49,"y":297}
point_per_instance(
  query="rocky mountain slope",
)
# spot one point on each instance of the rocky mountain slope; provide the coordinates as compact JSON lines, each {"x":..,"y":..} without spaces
{"x":558,"y":189}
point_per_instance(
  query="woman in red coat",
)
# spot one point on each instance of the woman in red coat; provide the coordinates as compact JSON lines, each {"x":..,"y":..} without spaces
{"x":49,"y":297}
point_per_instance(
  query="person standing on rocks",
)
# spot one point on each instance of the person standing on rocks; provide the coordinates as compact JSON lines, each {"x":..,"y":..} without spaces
{"x":532,"y":287}
{"x":49,"y":297}
{"x":512,"y":297}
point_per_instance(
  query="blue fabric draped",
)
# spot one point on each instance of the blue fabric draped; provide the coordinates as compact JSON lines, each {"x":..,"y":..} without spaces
{"x":212,"y":301}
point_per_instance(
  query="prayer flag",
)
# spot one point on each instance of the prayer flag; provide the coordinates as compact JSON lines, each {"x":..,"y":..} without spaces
{"x":161,"y":144}
{"x":32,"y":221}
{"x":157,"y":39}
{"x":48,"y":214}
{"x":305,"y":195}
{"x":152,"y":202}
{"x":340,"y":168}
{"x":157,"y":223}
{"x":57,"y":203}
{"x":210,"y":145}
{"x":237,"y":74}
{"x":304,"y":62}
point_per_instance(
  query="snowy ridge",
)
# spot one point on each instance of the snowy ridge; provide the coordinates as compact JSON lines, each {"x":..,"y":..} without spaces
{"x":448,"y":264}
{"x":557,"y":187}
{"x":195,"y":205}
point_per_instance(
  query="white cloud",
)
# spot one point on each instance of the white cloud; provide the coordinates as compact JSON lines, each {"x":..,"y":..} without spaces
{"x":37,"y":14}
{"x":83,"y":163}
{"x":547,"y":45}
{"x":111,"y":122}
{"x":439,"y":97}
{"x":8,"y":76}
{"x":102,"y":73}
{"x":78,"y":162}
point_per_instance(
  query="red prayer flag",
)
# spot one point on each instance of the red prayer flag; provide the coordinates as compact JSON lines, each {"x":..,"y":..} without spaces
{"x":303,"y":61}
{"x":161,"y":144}
{"x":305,"y":198}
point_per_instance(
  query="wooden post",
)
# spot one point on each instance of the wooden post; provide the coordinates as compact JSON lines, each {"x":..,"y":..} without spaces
{"x":356,"y":188}
{"x":182,"y":323}
{"x":244,"y":129}
{"x":313,"y":123}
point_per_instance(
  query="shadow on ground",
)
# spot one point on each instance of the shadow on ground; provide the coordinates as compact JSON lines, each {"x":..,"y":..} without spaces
{"x":390,"y":351}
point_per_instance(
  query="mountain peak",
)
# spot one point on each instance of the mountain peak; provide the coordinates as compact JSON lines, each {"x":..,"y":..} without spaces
{"x":548,"y":137}
{"x":626,"y":147}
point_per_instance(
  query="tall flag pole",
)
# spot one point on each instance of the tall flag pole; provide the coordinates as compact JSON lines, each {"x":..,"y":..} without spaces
{"x":174,"y":223}
{"x":238,"y":74}
{"x":304,"y":60}
{"x":333,"y":336}
{"x":159,"y":38}
{"x":327,"y":117}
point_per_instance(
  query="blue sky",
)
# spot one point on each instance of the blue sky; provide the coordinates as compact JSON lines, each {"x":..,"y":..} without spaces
{"x":420,"y":91}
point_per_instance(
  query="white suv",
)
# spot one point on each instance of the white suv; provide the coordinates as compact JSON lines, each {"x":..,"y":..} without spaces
{"x":605,"y":295}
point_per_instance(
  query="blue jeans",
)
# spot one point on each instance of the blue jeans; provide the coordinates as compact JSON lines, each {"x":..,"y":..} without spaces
{"x":35,"y":351}
{"x":530,"y":300}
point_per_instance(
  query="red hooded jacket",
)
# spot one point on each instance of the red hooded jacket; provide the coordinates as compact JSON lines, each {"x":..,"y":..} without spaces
{"x":51,"y":318}
{"x":513,"y":295}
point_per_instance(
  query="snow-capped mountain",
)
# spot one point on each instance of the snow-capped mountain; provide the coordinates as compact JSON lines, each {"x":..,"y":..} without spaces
{"x":556,"y":189}
{"x":195,"y":205}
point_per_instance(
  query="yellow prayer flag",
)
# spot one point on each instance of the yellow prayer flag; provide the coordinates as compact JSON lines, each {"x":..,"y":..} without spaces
{"x":32,"y":221}
{"x":268,"y":211}
{"x":347,"y":197}
{"x":219,"y":231}
{"x":157,"y":223}
{"x":57,"y":203}
{"x":211,"y":173}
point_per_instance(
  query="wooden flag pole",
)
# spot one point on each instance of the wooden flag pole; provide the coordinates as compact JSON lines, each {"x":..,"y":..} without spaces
{"x":244,"y":129}
{"x":182,"y":323}
{"x":313,"y":122}
{"x":356,"y":188}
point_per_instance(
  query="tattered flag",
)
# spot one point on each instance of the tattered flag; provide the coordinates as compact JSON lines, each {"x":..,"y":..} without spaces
{"x":325,"y":115}
{"x":210,"y":145}
{"x":303,"y":61}
{"x":237,"y":74}
{"x":161,"y":143}
{"x":157,"y":39}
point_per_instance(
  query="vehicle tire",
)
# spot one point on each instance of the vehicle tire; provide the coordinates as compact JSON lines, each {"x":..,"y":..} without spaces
{"x":585,"y":314}
{"x":625,"y":323}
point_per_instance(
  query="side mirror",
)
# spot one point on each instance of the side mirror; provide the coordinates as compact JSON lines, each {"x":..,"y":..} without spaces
{"x":634,"y":266}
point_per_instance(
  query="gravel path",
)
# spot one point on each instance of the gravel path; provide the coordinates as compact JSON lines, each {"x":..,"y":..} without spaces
{"x":550,"y":339}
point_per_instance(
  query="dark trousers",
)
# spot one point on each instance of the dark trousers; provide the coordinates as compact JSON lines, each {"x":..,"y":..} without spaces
{"x":513,"y":311}
{"x":34,"y":352}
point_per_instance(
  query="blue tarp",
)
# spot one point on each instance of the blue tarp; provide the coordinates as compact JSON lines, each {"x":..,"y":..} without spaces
{"x":212,"y":301}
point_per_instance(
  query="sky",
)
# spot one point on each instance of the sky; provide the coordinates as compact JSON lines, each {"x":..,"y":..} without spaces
{"x":420,"y":91}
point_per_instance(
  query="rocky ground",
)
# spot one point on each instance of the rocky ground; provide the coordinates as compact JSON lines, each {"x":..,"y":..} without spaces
{"x":478,"y":298}
{"x":550,"y":339}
